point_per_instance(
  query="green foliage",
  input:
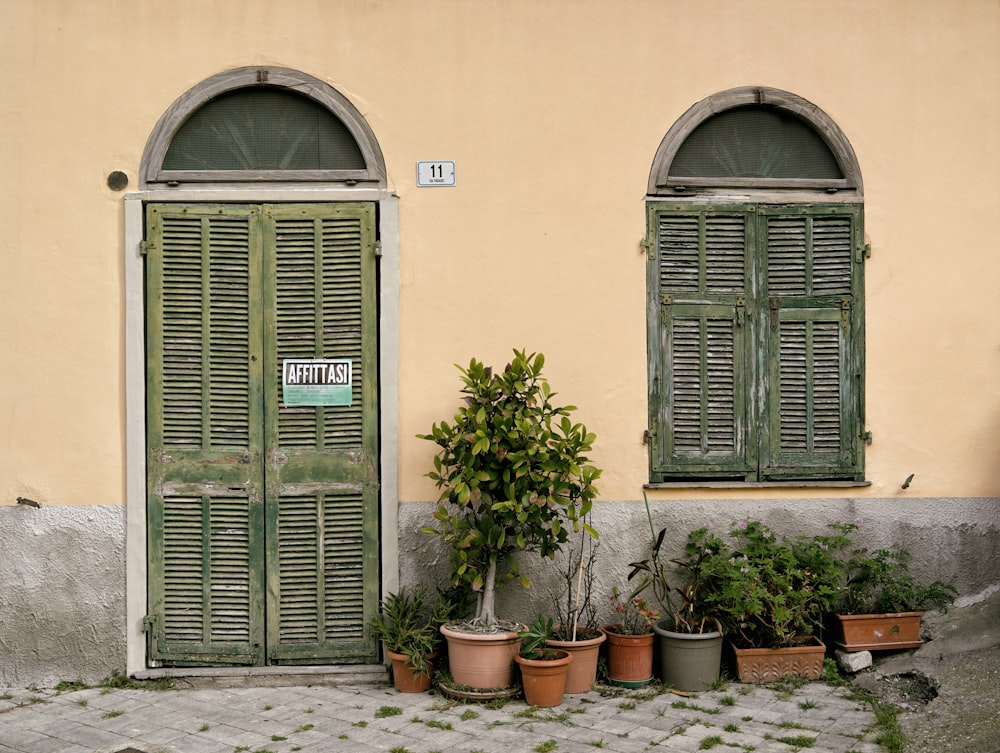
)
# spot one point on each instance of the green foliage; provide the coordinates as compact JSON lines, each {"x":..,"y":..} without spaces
{"x":879,"y":582}
{"x":634,"y":614}
{"x":767,"y":590}
{"x":685,"y":605}
{"x":535,"y":638}
{"x":513,"y":472}
{"x":383,"y":711}
{"x":409,"y":625}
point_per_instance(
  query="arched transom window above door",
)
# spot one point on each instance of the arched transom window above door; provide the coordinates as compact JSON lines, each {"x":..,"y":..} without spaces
{"x":262,"y":125}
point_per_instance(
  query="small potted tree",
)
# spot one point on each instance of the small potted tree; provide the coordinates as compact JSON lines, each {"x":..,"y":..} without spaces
{"x":881,"y":607}
{"x":577,"y":631}
{"x":514,"y":477}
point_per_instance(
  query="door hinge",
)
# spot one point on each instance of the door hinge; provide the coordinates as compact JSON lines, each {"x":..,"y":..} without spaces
{"x":378,"y":249}
{"x":646,"y":247}
{"x":648,"y":436}
{"x":144,"y":247}
{"x":864,"y":252}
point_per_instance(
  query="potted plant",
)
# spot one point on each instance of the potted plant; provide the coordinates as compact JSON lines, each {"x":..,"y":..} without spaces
{"x":688,"y":637}
{"x":576,"y":630}
{"x":882,"y":605}
{"x":515,"y":478}
{"x":543,"y":668}
{"x":408,"y":627}
{"x":771,"y":594}
{"x":630,"y":640}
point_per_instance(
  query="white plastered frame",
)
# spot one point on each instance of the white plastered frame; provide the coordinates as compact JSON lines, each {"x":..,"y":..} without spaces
{"x":135,"y":380}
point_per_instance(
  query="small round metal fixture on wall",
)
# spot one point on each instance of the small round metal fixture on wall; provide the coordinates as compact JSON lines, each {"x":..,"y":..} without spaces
{"x":117,"y":180}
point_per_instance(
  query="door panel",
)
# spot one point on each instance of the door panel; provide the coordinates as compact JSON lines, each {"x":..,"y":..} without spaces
{"x":321,"y":469}
{"x":262,"y":517}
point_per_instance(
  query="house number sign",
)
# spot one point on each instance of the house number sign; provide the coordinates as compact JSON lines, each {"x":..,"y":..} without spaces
{"x":440,"y":173}
{"x":316,"y":381}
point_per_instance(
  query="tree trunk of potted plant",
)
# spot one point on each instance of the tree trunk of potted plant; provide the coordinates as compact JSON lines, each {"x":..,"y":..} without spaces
{"x":544,"y":680}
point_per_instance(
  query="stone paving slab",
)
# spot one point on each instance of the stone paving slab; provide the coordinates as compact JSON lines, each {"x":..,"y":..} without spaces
{"x":363,"y":719}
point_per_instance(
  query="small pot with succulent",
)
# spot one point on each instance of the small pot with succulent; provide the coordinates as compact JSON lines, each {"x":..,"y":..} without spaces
{"x":543,"y":668}
{"x":882,"y":605}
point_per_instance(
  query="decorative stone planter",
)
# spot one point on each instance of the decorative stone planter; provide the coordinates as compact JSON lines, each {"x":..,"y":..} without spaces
{"x":630,"y":658}
{"x":582,"y":674}
{"x":544,"y":680}
{"x":688,"y":661}
{"x":877,"y":632}
{"x":761,"y":665}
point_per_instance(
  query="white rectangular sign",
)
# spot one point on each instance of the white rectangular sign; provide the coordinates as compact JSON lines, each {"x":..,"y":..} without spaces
{"x":439,"y":173}
{"x":316,"y":381}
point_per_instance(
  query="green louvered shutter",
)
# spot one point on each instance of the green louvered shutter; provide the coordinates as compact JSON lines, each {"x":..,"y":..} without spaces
{"x":205,"y":495}
{"x":814,"y":342}
{"x":699,"y":282}
{"x":322,"y":522}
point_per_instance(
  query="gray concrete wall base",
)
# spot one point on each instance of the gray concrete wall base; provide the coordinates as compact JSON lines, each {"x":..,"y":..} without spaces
{"x":954,"y":540}
{"x":62,"y":598}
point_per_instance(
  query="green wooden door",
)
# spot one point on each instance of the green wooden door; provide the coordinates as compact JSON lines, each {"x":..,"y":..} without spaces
{"x":262,"y":516}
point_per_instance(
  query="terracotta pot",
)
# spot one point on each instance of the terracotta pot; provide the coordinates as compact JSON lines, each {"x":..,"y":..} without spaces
{"x":582,"y":675}
{"x":762,"y":665}
{"x":630,"y":658}
{"x":878,"y":632}
{"x":544,"y":680}
{"x":688,"y":661}
{"x":404,"y":679}
{"x":483,"y":661}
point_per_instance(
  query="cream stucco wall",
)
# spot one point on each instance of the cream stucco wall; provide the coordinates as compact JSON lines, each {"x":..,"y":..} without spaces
{"x":552,"y":112}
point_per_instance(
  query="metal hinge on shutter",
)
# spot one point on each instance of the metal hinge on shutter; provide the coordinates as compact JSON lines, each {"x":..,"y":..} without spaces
{"x":378,"y":249}
{"x":145,"y":246}
{"x":864,"y":251}
{"x":646,"y":247}
{"x":648,"y":436}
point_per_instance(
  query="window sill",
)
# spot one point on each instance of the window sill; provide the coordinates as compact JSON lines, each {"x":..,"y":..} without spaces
{"x":802,"y":484}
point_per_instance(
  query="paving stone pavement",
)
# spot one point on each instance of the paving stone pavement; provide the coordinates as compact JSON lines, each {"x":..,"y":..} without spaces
{"x":361,"y":718}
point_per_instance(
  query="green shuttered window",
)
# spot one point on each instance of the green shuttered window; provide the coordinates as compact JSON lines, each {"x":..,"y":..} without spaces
{"x":756,"y":342}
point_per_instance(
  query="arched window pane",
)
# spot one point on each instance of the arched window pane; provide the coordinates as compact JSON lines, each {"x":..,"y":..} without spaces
{"x":263,"y":128}
{"x":755,"y":142}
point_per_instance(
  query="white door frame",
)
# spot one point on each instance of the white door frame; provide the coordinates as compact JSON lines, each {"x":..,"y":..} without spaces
{"x":135,"y":380}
